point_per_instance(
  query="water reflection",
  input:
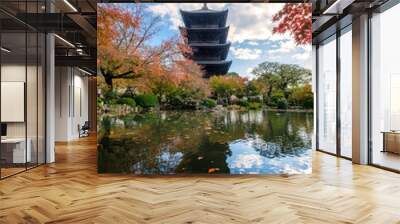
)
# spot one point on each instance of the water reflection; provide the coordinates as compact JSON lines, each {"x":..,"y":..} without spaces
{"x":254,"y":142}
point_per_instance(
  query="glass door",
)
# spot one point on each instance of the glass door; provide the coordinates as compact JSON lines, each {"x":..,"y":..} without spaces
{"x":22,"y":77}
{"x":14,"y":156}
{"x":327,"y":96}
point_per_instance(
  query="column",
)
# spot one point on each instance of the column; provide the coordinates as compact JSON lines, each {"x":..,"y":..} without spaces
{"x":360,"y":90}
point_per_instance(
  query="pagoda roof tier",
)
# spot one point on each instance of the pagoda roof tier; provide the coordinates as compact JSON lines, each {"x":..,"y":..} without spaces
{"x":210,"y":52}
{"x":204,"y":18}
{"x":214,"y":67}
{"x":205,"y":35}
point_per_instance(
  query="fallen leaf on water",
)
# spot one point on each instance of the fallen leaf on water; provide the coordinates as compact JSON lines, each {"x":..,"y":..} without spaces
{"x":212,"y":170}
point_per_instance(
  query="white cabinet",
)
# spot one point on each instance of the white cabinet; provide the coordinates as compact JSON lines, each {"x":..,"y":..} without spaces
{"x":19,"y":155}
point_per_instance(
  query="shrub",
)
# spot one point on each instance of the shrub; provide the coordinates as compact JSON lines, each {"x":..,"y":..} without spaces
{"x":308,"y":102}
{"x":209,"y":103}
{"x":110,"y":97}
{"x":111,"y":94}
{"x":255,"y":99}
{"x":254,"y":105}
{"x":146,"y":100}
{"x":127,"y":101}
{"x":243,"y":103}
{"x":181,"y":98}
{"x":110,"y":101}
{"x":282,"y":103}
{"x":99,"y":101}
{"x":234,"y":107}
{"x":278,"y":100}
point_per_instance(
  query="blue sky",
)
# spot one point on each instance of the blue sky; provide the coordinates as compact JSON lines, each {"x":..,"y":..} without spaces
{"x":250,"y":34}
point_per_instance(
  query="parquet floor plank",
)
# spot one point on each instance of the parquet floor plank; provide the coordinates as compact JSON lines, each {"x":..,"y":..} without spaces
{"x":71,"y":191}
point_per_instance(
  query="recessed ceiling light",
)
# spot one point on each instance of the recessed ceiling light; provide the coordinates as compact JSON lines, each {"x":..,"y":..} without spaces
{"x":64,"y":40}
{"x":5,"y":50}
{"x":337,"y":7}
{"x":86,"y":72}
{"x":70,"y":5}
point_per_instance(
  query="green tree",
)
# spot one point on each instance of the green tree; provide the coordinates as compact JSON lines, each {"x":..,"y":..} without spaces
{"x":302,"y":96}
{"x":225,"y":86}
{"x":290,"y":76}
{"x":267,"y":75}
{"x":252,"y":89}
{"x":232,"y":74}
{"x":281,"y":77}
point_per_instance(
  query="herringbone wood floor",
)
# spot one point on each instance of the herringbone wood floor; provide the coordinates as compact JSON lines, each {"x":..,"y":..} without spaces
{"x":70,"y":191}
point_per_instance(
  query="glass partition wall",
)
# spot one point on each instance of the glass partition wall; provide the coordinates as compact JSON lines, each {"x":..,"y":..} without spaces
{"x":385,"y":89}
{"x":345,"y":61}
{"x":327,"y":95}
{"x":22,"y":77}
{"x":334,"y":93}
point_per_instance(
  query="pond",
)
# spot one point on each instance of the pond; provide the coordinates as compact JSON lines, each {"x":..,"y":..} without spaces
{"x":195,"y":142}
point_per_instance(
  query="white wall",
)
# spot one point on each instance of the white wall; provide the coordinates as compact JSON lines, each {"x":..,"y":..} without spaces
{"x":71,"y":102}
{"x":12,"y":73}
{"x":62,"y":81}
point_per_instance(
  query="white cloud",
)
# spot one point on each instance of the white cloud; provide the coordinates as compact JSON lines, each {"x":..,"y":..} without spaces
{"x":274,"y":57}
{"x":302,"y":56}
{"x":252,"y":21}
{"x":286,"y":46}
{"x":253,"y":43}
{"x":246,"y":53}
{"x":247,"y":21}
{"x":248,"y":74}
{"x":171,"y":11}
{"x":250,"y":32}
{"x":307,"y":47}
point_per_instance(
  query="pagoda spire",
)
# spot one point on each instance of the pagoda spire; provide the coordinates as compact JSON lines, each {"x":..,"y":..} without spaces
{"x":206,"y":34}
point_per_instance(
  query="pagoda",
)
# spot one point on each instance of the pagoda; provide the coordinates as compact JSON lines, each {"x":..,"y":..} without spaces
{"x":206,"y":33}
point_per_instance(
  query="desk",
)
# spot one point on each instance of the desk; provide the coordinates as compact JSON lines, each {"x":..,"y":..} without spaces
{"x":391,"y":141}
{"x":13,"y":150}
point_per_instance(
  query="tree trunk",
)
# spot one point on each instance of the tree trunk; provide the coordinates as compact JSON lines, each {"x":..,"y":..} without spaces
{"x":269,"y":92}
{"x":108,"y":78}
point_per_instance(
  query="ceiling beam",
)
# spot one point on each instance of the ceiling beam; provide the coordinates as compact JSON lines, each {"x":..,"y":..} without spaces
{"x":337,"y":7}
{"x":83,"y":23}
{"x":78,"y":61}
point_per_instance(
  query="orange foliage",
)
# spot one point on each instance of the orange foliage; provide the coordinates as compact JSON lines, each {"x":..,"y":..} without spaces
{"x":189,"y":75}
{"x":123,"y":49}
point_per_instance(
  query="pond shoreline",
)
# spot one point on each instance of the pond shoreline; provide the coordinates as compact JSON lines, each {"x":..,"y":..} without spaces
{"x":290,"y":110}
{"x":207,"y":110}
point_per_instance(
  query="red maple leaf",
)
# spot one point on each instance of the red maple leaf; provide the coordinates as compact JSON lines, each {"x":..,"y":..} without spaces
{"x":295,"y":18}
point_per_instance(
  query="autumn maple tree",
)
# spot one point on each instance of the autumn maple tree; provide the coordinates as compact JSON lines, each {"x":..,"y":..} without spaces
{"x":122,"y":45}
{"x":295,"y":18}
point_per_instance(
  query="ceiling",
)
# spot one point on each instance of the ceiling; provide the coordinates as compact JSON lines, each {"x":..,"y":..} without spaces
{"x":331,"y":15}
{"x":73,"y":21}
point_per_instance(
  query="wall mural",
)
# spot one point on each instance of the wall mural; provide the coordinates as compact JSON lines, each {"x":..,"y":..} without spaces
{"x":188,"y":88}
